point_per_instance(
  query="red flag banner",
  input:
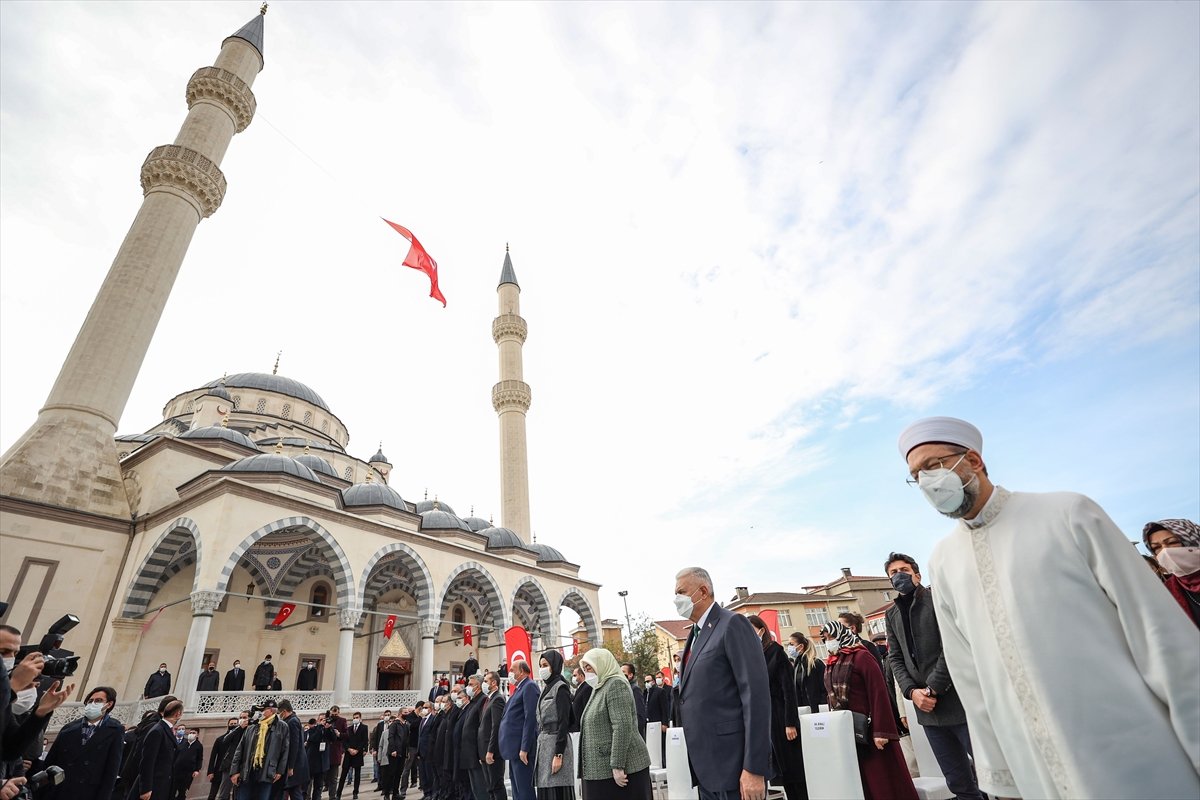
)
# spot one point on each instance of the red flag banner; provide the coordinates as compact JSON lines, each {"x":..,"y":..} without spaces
{"x":389,"y":626}
{"x":146,"y":627}
{"x":285,"y":611}
{"x":666,"y":674}
{"x":467,"y":635}
{"x":771,"y":617}
{"x":419,"y":259}
{"x":518,"y":644}
{"x":574,"y":647}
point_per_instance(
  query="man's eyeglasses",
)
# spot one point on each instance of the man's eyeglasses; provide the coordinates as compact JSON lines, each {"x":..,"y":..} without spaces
{"x":934,"y":463}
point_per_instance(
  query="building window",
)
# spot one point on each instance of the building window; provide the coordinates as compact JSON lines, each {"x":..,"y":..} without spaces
{"x":820,"y":650}
{"x":785,"y":619}
{"x":190,"y":407}
{"x":123,"y":454}
{"x":324,"y":426}
{"x":349,"y":473}
{"x":319,"y":599}
{"x":887,"y":595}
{"x":308,"y":418}
{"x":237,"y":402}
{"x":287,"y":411}
{"x":459,"y":618}
{"x":817,"y":617}
{"x":843,"y":610}
{"x":261,"y":406}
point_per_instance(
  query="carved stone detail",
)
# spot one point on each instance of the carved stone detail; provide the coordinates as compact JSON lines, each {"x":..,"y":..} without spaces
{"x":227,"y":90}
{"x":205,"y":604}
{"x":429,"y":628}
{"x":509,"y":326}
{"x":185,"y":169}
{"x":511,"y":394}
{"x":348,"y":618}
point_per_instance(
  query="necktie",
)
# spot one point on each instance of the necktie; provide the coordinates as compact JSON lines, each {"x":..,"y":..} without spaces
{"x":88,"y":730}
{"x":687,"y":648}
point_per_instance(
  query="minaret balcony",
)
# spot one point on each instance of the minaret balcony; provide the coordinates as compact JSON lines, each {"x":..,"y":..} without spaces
{"x":511,"y":396}
{"x":509,"y":327}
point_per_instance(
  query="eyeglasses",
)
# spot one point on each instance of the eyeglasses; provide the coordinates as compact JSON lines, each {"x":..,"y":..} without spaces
{"x":932,"y":464}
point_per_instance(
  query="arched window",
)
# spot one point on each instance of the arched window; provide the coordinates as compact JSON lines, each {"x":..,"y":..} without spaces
{"x":190,"y":407}
{"x":237,"y":402}
{"x":324,"y":426}
{"x":308,"y":418}
{"x":287,"y":410}
{"x":261,"y":406}
{"x":319,"y":597}
{"x":459,"y":617}
{"x":349,"y":473}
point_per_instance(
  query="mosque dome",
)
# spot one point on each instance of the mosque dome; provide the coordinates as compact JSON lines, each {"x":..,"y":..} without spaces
{"x":546,"y":553}
{"x":318,"y":464}
{"x":373,"y":494}
{"x":270,"y":383}
{"x":429,"y":505}
{"x":379,"y":457}
{"x":500,"y":538}
{"x":273,"y":462}
{"x":220,"y":432}
{"x":442,"y":520}
{"x":476,"y":524}
{"x":219,"y":391}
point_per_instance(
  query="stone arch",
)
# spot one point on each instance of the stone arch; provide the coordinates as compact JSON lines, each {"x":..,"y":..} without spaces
{"x":422,"y":583}
{"x":488,"y":600}
{"x":340,"y":565}
{"x":178,"y":546}
{"x":530,"y":592}
{"x":575,"y":600}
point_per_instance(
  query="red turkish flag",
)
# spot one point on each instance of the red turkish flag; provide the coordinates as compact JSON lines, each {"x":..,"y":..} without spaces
{"x":466,"y":634}
{"x":574,"y":647}
{"x":285,"y":611}
{"x":419,"y":259}
{"x":771,"y":617}
{"x":389,"y":626}
{"x":518,"y":643}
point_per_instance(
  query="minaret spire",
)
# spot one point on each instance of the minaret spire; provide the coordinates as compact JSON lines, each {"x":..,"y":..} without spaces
{"x":511,"y":398}
{"x":67,"y":457}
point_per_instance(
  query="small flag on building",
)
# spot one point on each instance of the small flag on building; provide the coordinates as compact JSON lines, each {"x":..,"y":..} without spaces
{"x":467,"y":635}
{"x":574,"y":647}
{"x":146,"y":627}
{"x":389,"y":626}
{"x":285,"y":611}
{"x":419,"y":259}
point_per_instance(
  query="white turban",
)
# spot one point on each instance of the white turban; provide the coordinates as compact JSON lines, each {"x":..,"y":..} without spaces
{"x":940,"y":429}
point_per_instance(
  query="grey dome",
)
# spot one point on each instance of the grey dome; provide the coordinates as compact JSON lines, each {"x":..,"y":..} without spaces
{"x":270,"y":383}
{"x":546,"y":553}
{"x":499,"y":538}
{"x":220,"y":432}
{"x":476,"y":524}
{"x":442,"y":520}
{"x":379,"y":457}
{"x":273,"y":462}
{"x":219,"y":391}
{"x":318,"y":464}
{"x":427,"y":505}
{"x":373,"y":494}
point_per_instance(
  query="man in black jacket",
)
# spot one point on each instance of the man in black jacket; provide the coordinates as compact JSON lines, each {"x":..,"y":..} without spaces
{"x":411,"y":718}
{"x":639,"y":697}
{"x":264,"y":675}
{"x":469,"y":761}
{"x":471,"y":666}
{"x":189,"y":758}
{"x":89,"y":750}
{"x":156,"y":761}
{"x":919,"y":666}
{"x":235,"y":679}
{"x":489,"y":737}
{"x":158,"y":684}
{"x":356,"y":742}
{"x":427,"y":733}
{"x":220,"y":748}
{"x":444,"y":747}
{"x":209,"y":680}
{"x":306,"y":681}
{"x":389,"y":744}
{"x":295,"y":779}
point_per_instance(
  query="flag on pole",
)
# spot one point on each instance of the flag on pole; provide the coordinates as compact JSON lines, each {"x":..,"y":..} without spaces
{"x":518,"y":644}
{"x":419,"y":259}
{"x":574,"y":647}
{"x":771,"y":618}
{"x":146,"y":627}
{"x":285,"y":611}
{"x":467,"y":635}
{"x":389,"y":626}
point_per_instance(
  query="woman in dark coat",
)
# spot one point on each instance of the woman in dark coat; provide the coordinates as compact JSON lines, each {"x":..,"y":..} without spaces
{"x":785,"y":719}
{"x":854,"y":682}
{"x":809,"y":672}
{"x":551,"y":778}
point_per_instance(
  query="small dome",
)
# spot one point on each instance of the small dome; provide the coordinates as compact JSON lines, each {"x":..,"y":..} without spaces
{"x":442,"y":520}
{"x":547,"y":553}
{"x":379,"y":457}
{"x":500,"y":538}
{"x":219,"y":391}
{"x":427,"y":505}
{"x":220,"y":432}
{"x":373,"y":494}
{"x":476,"y":524}
{"x":272,"y":462}
{"x":318,"y":464}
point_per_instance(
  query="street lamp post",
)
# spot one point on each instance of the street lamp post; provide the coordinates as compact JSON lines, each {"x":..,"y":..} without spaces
{"x":624,"y":595}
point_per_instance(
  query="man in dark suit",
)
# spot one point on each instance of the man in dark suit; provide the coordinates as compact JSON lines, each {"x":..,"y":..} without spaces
{"x":919,"y":667}
{"x":357,"y":739}
{"x":468,"y":745}
{"x":209,"y":680}
{"x":264,"y":675}
{"x":447,"y":745}
{"x":389,"y":744}
{"x":316,"y":750}
{"x":295,"y":780}
{"x":470,"y":666}
{"x":306,"y":681}
{"x":408,"y":773}
{"x":427,"y":735}
{"x":89,"y":750}
{"x":725,"y":697}
{"x":335,"y":728}
{"x":189,"y":758}
{"x":156,"y":764}
{"x":235,"y":679}
{"x":518,"y":731}
{"x":639,"y":696}
{"x":216,"y":756}
{"x":158,"y":684}
{"x":489,"y":737}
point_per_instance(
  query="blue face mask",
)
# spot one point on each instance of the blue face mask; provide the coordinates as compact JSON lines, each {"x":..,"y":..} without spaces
{"x":903,"y":583}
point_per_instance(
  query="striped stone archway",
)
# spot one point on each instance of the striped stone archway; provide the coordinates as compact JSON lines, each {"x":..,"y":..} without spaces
{"x":575,"y":600}
{"x":488,"y":601}
{"x":420,"y":583}
{"x":530,"y":606}
{"x":339,"y":564}
{"x":178,"y":546}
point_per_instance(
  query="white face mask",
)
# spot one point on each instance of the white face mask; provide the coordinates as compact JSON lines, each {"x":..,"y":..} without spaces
{"x":945,"y":491}
{"x":593,"y":680}
{"x":832,"y":646}
{"x":162,"y":670}
{"x":9,"y":663}
{"x":487,"y":689}
{"x":543,"y":673}
{"x":243,"y":721}
{"x":93,"y":711}
{"x":24,"y":701}
{"x":237,"y":666}
{"x":1179,"y":561}
{"x":658,"y":681}
{"x":458,"y":701}
{"x":684,"y":605}
{"x":191,"y":737}
{"x":470,"y":691}
{"x":792,"y":651}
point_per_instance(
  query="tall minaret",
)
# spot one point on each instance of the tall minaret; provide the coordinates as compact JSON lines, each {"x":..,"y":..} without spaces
{"x":510,"y":398}
{"x":67,"y":458}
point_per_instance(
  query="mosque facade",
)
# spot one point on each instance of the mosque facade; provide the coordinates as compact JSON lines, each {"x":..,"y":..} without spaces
{"x":183,"y":543}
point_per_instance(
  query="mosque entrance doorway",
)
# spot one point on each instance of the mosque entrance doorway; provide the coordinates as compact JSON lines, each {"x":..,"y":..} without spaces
{"x":394,"y":674}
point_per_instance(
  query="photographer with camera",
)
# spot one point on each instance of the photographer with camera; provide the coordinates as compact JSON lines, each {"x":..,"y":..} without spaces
{"x":23,"y":716}
{"x":89,"y":750}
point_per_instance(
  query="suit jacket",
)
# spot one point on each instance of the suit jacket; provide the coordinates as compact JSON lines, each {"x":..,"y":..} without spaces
{"x":306,"y":681}
{"x":657,"y":705}
{"x":810,"y":687}
{"x":337,"y":744}
{"x":468,"y":743}
{"x":189,"y":758}
{"x":428,"y":735}
{"x":578,"y":702}
{"x":297,"y":760}
{"x":357,"y":740}
{"x":929,"y":668}
{"x":235,"y":680}
{"x":488,"y":739}
{"x":518,"y":726}
{"x":413,"y":721}
{"x":158,"y":684}
{"x":91,"y":769}
{"x":220,"y":748}
{"x":156,"y":767}
{"x":231,"y":745}
{"x":726,"y":702}
{"x":318,"y":758}
{"x":471,"y":667}
{"x":639,"y":704}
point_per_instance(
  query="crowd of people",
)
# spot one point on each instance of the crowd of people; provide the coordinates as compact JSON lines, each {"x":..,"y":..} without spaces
{"x":1038,"y":617}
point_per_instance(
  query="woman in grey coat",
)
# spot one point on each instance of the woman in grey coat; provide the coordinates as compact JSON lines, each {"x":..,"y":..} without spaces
{"x":552,"y":773}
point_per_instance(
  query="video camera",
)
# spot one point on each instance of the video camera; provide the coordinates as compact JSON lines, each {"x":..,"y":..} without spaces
{"x":49,"y":777}
{"x":54,"y":666}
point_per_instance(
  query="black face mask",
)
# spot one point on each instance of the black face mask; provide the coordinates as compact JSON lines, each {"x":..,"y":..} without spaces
{"x":903,"y":583}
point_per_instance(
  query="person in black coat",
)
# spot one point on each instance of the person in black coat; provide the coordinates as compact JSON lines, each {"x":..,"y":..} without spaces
{"x":316,"y":748}
{"x":408,"y":773}
{"x":209,"y":680}
{"x":468,"y":755}
{"x":306,"y":681}
{"x":449,"y":758}
{"x":639,"y":698}
{"x":264,"y":675}
{"x":809,"y":673}
{"x":443,"y":750}
{"x":158,"y":684}
{"x":394,"y":749}
{"x":235,"y":679}
{"x":356,"y":741}
{"x":470,"y":666}
{"x":583,"y":693}
{"x":156,"y":759}
{"x":91,"y":766}
{"x":425,"y":746}
{"x":785,"y":719}
{"x":217,"y":754}
{"x":189,"y":759}
{"x":295,"y":779}
{"x":489,"y":736}
{"x":658,"y":707}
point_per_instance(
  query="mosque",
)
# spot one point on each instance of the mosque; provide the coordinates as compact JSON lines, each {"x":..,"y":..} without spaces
{"x":183,"y":543}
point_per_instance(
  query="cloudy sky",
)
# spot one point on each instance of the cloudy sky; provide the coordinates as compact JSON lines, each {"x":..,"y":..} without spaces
{"x":754,"y":241}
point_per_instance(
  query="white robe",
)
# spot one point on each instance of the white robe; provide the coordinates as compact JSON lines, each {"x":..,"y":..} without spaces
{"x":1079,"y":672}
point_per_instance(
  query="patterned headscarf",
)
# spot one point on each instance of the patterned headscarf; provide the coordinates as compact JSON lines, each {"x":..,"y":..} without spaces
{"x":839,"y":632}
{"x":1187,"y":531}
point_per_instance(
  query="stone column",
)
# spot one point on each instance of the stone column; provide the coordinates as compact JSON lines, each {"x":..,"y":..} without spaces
{"x":429,"y":629}
{"x":347,"y":621}
{"x":122,"y":652}
{"x":203,"y":606}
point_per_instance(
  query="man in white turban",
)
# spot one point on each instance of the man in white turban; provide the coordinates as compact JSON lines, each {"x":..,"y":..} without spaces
{"x":1078,"y":672}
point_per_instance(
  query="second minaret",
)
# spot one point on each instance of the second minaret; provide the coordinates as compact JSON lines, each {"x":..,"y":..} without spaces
{"x":511,"y":398}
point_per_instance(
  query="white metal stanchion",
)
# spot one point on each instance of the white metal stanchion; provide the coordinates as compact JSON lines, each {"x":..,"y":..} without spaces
{"x":830,"y":758}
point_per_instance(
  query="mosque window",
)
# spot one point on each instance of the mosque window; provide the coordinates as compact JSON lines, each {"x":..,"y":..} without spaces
{"x":324,"y":426}
{"x":237,"y":402}
{"x":308,"y":418}
{"x":319,"y":599}
{"x":349,"y":473}
{"x":261,"y":406}
{"x":190,"y":407}
{"x":123,"y":454}
{"x":459,"y":617}
{"x":287,"y":411}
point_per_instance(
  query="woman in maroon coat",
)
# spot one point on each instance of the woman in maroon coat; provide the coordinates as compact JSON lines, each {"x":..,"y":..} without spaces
{"x":854,"y":682}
